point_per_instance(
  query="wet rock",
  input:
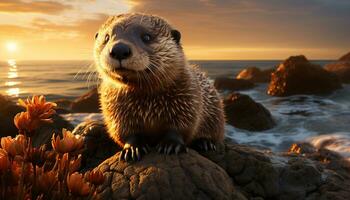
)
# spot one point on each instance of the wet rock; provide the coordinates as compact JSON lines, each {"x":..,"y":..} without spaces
{"x":255,"y":75}
{"x":288,"y":176}
{"x":335,"y":172}
{"x":87,"y":103}
{"x":341,"y":68}
{"x":244,"y":113}
{"x":297,"y":75}
{"x":184,"y":176}
{"x":8,"y":111}
{"x":232,"y":84}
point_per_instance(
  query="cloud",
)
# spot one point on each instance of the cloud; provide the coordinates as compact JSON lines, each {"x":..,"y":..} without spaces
{"x":256,"y":23}
{"x":43,"y":7}
{"x":83,"y":27}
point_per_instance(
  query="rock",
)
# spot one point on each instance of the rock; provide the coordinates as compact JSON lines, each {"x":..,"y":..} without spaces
{"x":335,"y":172}
{"x":44,"y":134}
{"x":345,"y":57}
{"x":233,"y":171}
{"x":297,"y":75}
{"x":8,"y":111}
{"x":63,"y":106}
{"x":99,"y":146}
{"x":232,"y":84}
{"x":255,"y":75}
{"x":341,"y":68}
{"x":184,"y":176}
{"x":244,"y":113}
{"x":286,"y":176}
{"x":87,"y":103}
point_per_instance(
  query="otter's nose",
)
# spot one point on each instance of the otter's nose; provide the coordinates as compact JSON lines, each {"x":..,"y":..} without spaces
{"x":120,"y":51}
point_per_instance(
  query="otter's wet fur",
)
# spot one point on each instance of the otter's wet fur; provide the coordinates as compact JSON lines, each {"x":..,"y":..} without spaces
{"x":154,"y":96}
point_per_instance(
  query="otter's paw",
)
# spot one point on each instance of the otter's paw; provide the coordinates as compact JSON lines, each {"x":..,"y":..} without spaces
{"x":172,"y":143}
{"x":203,"y":144}
{"x":132,"y":152}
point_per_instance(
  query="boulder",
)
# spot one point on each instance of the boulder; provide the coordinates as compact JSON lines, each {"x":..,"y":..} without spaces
{"x":87,"y":103}
{"x":341,"y":68}
{"x":99,"y":146}
{"x":244,"y":113}
{"x":185,"y":176}
{"x":297,"y":75}
{"x":232,"y":84}
{"x":267,"y":175}
{"x":345,"y":57}
{"x":63,"y":106}
{"x":44,"y":133}
{"x":233,"y":171}
{"x":255,"y":75}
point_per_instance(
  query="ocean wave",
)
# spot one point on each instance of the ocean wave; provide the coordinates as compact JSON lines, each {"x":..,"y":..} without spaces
{"x":337,"y":142}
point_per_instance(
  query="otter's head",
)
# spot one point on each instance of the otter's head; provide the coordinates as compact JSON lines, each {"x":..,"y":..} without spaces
{"x":138,"y":50}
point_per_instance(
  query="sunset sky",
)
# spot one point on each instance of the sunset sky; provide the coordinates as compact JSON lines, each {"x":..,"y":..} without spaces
{"x":211,"y":29}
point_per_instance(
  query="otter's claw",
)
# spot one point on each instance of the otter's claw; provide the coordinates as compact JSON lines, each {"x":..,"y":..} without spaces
{"x":172,"y":143}
{"x":203,"y":144}
{"x":133,"y":153}
{"x":133,"y":150}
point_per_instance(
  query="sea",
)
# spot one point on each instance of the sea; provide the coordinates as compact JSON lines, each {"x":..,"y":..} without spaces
{"x":319,"y":120}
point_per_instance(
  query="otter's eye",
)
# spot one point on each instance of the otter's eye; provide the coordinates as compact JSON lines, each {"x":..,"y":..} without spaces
{"x":106,"y":38}
{"x":146,"y":38}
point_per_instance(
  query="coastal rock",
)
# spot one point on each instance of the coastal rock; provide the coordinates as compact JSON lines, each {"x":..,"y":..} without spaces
{"x":8,"y":111}
{"x":244,"y":113}
{"x":341,"y":68}
{"x":255,"y":75}
{"x":87,"y":103}
{"x":99,"y":146}
{"x":233,"y":171}
{"x":184,"y":176}
{"x":297,"y":75}
{"x":335,"y":171}
{"x":44,"y":133}
{"x":232,"y":84}
{"x":63,"y":106}
{"x":345,"y":57}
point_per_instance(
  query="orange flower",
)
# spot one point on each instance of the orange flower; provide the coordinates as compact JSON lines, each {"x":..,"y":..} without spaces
{"x":37,"y":155}
{"x":45,"y":180}
{"x":95,"y":177}
{"x":75,"y":164}
{"x":71,"y":165}
{"x":70,"y":143}
{"x":14,"y":146}
{"x":37,"y":107}
{"x":77,"y":186}
{"x":4,"y":161}
{"x":38,"y":112}
{"x":20,"y":168}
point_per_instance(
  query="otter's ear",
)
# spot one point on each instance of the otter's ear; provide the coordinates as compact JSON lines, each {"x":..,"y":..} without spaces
{"x":176,"y":36}
{"x":96,"y":35}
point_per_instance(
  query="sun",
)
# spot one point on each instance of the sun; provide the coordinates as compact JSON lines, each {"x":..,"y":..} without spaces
{"x":11,"y":46}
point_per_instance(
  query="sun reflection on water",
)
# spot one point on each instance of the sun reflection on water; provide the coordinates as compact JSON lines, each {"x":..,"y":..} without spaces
{"x":11,"y":83}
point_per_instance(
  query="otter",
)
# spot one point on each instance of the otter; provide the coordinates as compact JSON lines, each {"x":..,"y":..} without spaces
{"x":150,"y":95}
